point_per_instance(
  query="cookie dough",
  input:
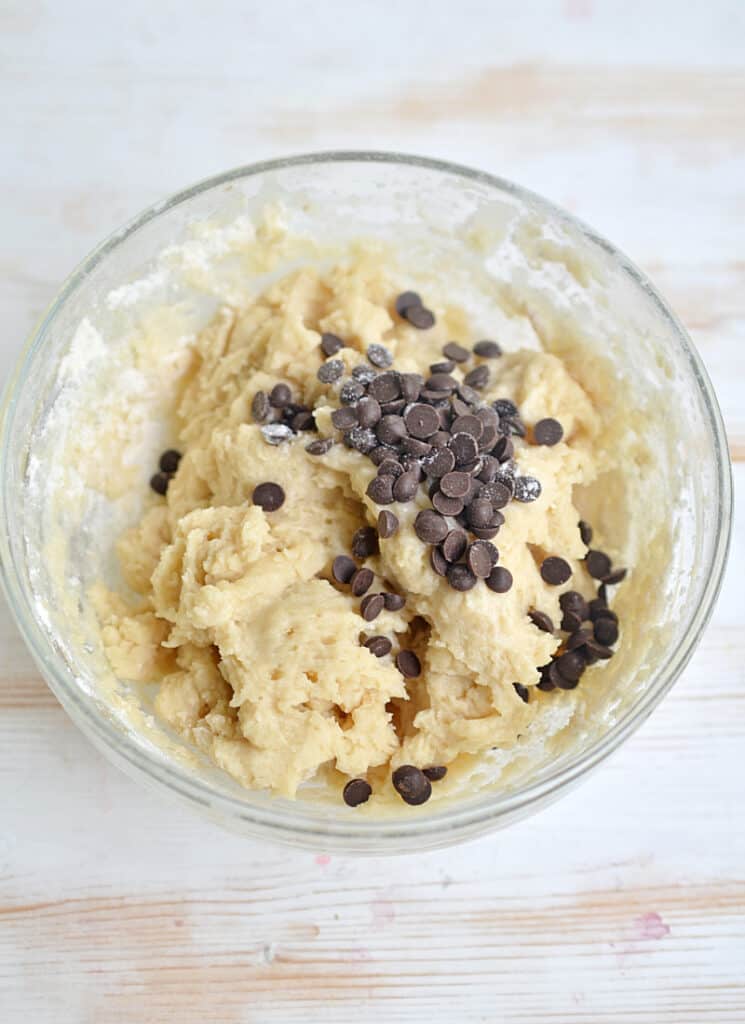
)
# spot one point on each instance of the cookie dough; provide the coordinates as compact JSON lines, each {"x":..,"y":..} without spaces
{"x":258,"y":651}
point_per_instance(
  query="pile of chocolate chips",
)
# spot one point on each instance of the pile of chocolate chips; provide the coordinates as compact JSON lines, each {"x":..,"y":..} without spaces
{"x":282,"y":418}
{"x":590,"y":628}
{"x":436,"y":431}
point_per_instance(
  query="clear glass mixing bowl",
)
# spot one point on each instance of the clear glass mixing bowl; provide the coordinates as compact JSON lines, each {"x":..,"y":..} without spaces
{"x":477,"y":225}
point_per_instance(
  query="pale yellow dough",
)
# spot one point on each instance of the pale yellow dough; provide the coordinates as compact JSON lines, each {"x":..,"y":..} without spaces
{"x":256,"y":650}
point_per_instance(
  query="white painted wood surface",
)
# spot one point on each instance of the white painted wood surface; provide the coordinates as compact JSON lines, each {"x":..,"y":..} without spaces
{"x":625,"y":901}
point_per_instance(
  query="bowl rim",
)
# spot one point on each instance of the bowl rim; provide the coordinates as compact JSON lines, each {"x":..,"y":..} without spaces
{"x":269,"y":821}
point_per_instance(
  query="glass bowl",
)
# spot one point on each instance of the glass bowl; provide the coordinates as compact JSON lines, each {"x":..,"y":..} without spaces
{"x":492,"y":241}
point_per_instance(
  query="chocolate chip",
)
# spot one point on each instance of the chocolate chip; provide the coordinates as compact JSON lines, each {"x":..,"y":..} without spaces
{"x":541,"y":620}
{"x":522,"y":692}
{"x":555,"y":571}
{"x":417,"y":449}
{"x":455,"y":544}
{"x":406,"y":485}
{"x":571,"y":665}
{"x":570,"y":622}
{"x":419,"y":317}
{"x":468,"y":424}
{"x":361,"y":581}
{"x":477,"y":378}
{"x":599,"y":605}
{"x":481,"y":558}
{"x":438,"y":463}
{"x":606,"y":631}
{"x":460,"y":577}
{"x":276,"y":433}
{"x":505,"y":480}
{"x":280,"y":396}
{"x":379,"y":356}
{"x":546,"y":683}
{"x":344,"y":418}
{"x":390,"y":430}
{"x":479,"y":513}
{"x":371,"y":606}
{"x":331,"y":344}
{"x":356,"y":792}
{"x":468,"y":395}
{"x":390,"y":467}
{"x":379,"y":646}
{"x":447,"y":506}
{"x":485,"y":532}
{"x":498,"y":494}
{"x":446,"y":366}
{"x":473,"y":468}
{"x":488,"y":438}
{"x":380,"y":490}
{"x":351,"y":392}
{"x":303,"y":420}
{"x":440,"y":440}
{"x":489,"y":469}
{"x":464,"y":448}
{"x":578,"y":639}
{"x":368,"y":411}
{"x":365,"y":542}
{"x":330,"y":371}
{"x":572,"y":601}
{"x":394,"y":602}
{"x":169,"y":461}
{"x":548,"y":432}
{"x":438,"y":561}
{"x":405,"y":300}
{"x":436,"y":773}
{"x":598,"y":650}
{"x":598,"y":564}
{"x":364,"y":374}
{"x":585,"y":532}
{"x":442,"y":383}
{"x":455,"y":485}
{"x":260,"y":406}
{"x":408,"y":664}
{"x":614,"y":577}
{"x":387,"y":524}
{"x":487,"y":349}
{"x":386,"y":387}
{"x":505,"y":407}
{"x":430,"y":527}
{"x":456,"y":352}
{"x":412,"y":785}
{"x":499,"y":580}
{"x":411,"y":384}
{"x":512,"y":426}
{"x":361,"y":439}
{"x":343,"y":568}
{"x":268,"y":496}
{"x":527,"y":488}
{"x":504,"y":449}
{"x":159,"y":482}
{"x":421,"y":420}
{"x":320,"y":446}
{"x":437,"y":399}
{"x":383,"y":453}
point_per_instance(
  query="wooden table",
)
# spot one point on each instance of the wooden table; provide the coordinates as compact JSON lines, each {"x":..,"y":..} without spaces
{"x":624,"y":902}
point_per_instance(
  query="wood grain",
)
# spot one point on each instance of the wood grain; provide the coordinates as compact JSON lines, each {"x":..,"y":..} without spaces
{"x":623,"y":903}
